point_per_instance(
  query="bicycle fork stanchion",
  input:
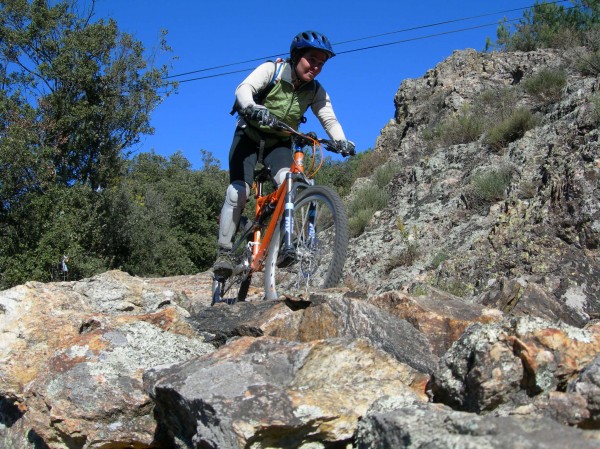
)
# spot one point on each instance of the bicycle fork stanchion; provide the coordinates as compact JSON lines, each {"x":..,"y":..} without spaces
{"x":312,"y":225}
{"x":288,"y":216}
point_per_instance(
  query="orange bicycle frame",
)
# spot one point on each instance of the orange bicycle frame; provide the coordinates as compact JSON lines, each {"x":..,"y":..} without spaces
{"x":261,"y":245}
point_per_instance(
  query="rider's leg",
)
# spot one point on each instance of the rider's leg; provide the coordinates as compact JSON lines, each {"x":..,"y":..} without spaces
{"x":280,"y":160}
{"x":235,"y":201}
{"x":242,"y":159}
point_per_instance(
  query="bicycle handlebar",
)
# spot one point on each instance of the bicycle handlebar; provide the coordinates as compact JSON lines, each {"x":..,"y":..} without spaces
{"x":330,"y":145}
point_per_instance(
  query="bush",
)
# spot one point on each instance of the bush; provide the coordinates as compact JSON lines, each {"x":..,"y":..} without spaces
{"x":512,"y":128}
{"x":403,"y":258}
{"x":489,"y":186}
{"x":464,"y":127}
{"x":496,"y":104}
{"x":547,"y":85}
{"x":365,"y":203}
{"x":595,"y":100}
{"x":341,"y":174}
{"x":587,"y":59}
{"x":384,"y":174}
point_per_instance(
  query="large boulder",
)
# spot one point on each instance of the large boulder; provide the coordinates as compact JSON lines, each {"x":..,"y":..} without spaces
{"x":269,"y":392}
{"x":432,"y":426}
{"x":72,"y":358}
{"x":523,"y":365}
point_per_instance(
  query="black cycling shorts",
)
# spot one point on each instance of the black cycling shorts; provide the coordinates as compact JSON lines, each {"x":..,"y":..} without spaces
{"x":243,"y":157}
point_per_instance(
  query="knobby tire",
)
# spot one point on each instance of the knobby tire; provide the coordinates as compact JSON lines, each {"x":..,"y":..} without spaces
{"x":319,"y":259}
{"x":235,"y":288}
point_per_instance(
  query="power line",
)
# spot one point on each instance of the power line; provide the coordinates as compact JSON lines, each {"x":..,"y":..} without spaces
{"x":422,"y":37}
{"x":360,"y":39}
{"x":370,"y":47}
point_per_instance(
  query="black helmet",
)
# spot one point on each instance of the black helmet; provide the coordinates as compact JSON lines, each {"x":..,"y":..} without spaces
{"x":310,"y":39}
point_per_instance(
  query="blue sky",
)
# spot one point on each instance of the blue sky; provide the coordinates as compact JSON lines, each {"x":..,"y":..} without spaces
{"x":362,"y":84}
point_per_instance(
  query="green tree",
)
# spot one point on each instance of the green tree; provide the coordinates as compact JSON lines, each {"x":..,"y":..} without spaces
{"x":548,"y":25}
{"x":162,"y":217}
{"x":84,"y":87}
{"x":76,"y":95}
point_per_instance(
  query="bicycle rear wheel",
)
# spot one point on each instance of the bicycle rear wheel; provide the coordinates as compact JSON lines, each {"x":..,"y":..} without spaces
{"x":235,"y":287}
{"x":230,"y":290}
{"x":320,"y":238}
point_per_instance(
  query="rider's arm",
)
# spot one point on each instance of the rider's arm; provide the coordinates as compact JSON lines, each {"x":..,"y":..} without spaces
{"x":254,"y":83}
{"x":323,"y":109}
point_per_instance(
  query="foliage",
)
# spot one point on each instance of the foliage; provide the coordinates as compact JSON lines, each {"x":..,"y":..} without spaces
{"x":409,"y":250}
{"x":164,"y":216}
{"x":595,"y":101}
{"x":512,"y":128}
{"x":84,"y":90}
{"x":548,"y":24}
{"x":489,"y":108}
{"x":546,"y":85}
{"x":490,"y":185}
{"x":342,"y":174}
{"x":496,"y":104}
{"x":365,"y":202}
{"x":587,"y":58}
{"x":385,"y":173}
{"x":463,"y":127}
{"x":76,"y":97}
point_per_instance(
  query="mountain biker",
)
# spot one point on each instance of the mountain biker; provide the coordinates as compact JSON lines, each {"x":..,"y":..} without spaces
{"x":291,"y":89}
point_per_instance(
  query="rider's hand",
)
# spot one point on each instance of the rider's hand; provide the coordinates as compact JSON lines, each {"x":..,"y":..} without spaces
{"x":261,"y":115}
{"x":345,"y":147}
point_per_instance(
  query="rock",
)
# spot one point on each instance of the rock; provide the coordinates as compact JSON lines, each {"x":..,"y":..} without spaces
{"x":521,"y":362}
{"x":429,"y":425}
{"x":522,"y":298}
{"x":542,"y":230}
{"x":269,"y":392}
{"x":332,"y":313}
{"x":72,"y":361}
{"x":441,"y":318}
{"x":587,"y":386}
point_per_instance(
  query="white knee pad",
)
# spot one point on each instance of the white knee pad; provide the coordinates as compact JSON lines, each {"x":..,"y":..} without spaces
{"x":237,"y":194}
{"x":235,"y":200}
{"x":280,"y":175}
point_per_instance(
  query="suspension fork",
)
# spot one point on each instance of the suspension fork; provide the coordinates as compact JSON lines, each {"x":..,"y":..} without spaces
{"x":288,"y":214}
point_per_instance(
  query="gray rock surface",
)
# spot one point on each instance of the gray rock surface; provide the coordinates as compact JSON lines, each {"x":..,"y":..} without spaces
{"x":427,"y":426}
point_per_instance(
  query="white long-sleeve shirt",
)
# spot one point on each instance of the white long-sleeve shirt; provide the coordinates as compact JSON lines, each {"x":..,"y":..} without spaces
{"x":260,"y":78}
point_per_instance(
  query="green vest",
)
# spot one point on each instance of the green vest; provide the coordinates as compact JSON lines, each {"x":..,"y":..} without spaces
{"x":288,"y":105}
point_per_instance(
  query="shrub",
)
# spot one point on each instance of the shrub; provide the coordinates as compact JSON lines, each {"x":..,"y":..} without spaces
{"x":463,"y":127}
{"x":365,"y":203}
{"x":587,"y":59}
{"x":405,"y":257}
{"x":342,"y":174}
{"x":496,"y":104}
{"x":490,"y":185}
{"x":512,"y":128}
{"x":595,"y":100}
{"x":438,"y":259}
{"x":384,"y":174}
{"x":547,"y":85}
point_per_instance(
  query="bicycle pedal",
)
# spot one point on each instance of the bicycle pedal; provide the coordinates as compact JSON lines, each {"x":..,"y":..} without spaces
{"x":287,"y":258}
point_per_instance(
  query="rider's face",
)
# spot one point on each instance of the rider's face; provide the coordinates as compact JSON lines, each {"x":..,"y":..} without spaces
{"x":310,"y":65}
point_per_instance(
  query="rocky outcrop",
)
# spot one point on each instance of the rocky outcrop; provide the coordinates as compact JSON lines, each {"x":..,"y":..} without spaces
{"x":269,"y":392}
{"x":72,"y":356}
{"x":427,"y":425}
{"x":538,"y":238}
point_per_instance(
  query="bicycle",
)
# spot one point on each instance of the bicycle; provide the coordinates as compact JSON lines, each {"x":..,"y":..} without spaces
{"x":299,"y":235}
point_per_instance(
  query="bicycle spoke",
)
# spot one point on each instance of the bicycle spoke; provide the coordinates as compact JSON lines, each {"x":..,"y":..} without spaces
{"x":320,"y":238}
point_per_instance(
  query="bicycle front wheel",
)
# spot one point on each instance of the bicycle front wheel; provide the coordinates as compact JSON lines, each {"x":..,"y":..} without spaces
{"x":320,"y":241}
